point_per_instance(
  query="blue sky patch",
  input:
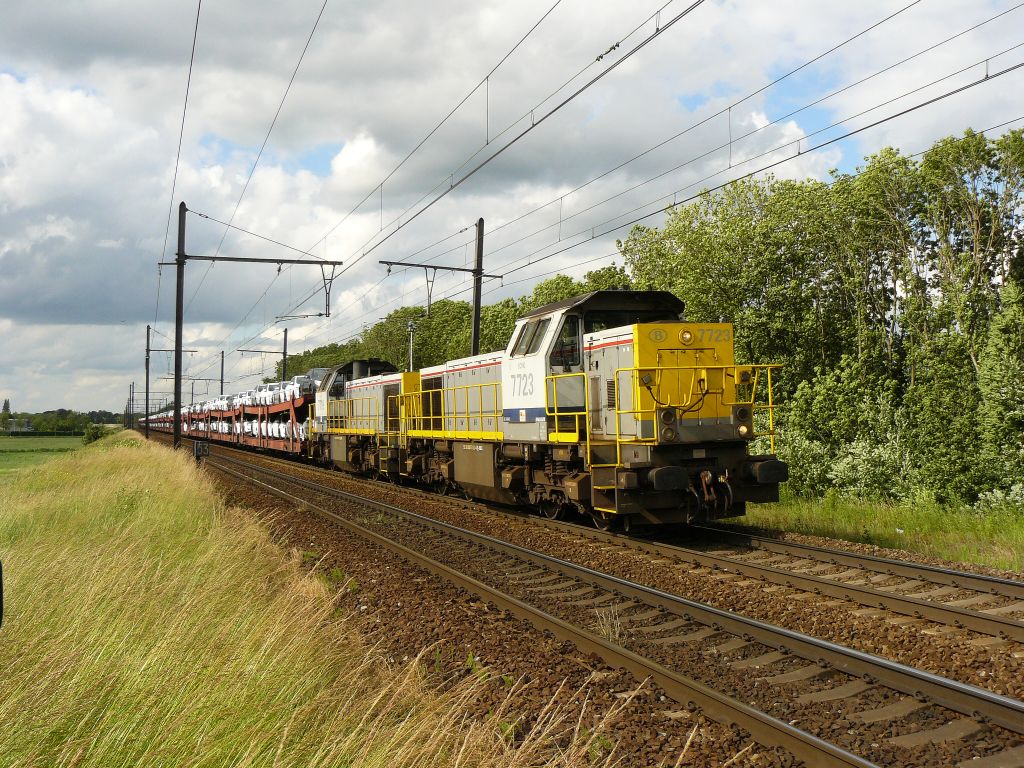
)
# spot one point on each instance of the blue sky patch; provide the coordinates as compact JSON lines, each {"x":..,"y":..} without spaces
{"x":316,"y":160}
{"x":21,"y":78}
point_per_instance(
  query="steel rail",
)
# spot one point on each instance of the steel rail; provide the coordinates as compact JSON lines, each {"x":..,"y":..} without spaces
{"x":975,"y":581}
{"x":951,"y":694}
{"x":763,"y":727}
{"x":932,"y":610}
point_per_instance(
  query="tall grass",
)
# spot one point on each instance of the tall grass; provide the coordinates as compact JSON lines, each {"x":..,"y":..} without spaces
{"x":994,"y":538}
{"x":148,"y":625}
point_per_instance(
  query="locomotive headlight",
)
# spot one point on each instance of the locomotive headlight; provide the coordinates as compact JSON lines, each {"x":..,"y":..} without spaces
{"x":669,"y":434}
{"x":668,"y":416}
{"x":743,"y":430}
{"x":686,"y":337}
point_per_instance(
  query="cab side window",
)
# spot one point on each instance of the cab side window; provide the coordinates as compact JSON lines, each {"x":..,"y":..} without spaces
{"x":566,"y":351}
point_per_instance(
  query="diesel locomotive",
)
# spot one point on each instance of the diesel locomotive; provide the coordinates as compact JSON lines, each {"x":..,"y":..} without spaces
{"x":608,"y":405}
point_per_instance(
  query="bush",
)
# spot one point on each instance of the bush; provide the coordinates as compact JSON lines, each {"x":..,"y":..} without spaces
{"x":92,"y":433}
{"x":998,"y":500}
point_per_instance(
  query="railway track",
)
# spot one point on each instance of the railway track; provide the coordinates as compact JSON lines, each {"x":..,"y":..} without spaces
{"x":736,"y":669}
{"x":984,"y":604}
{"x":987,"y":605}
{"x":957,"y":599}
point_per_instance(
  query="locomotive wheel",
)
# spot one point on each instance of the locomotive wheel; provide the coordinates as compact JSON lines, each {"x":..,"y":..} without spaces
{"x":550,"y":509}
{"x":605,"y":522}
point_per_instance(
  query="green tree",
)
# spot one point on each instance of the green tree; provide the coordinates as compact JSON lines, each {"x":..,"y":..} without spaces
{"x":943,"y":406}
{"x":760,"y":254}
{"x":1001,"y":382}
{"x":5,"y":415}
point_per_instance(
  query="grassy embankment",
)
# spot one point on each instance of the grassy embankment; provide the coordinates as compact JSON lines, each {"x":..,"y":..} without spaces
{"x":20,"y":452}
{"x":993,"y":538}
{"x":148,"y":625}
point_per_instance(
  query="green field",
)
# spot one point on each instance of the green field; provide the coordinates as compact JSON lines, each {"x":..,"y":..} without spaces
{"x":147,"y":624}
{"x":21,"y":452}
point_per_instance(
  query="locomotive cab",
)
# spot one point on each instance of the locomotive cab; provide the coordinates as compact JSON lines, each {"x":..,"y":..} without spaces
{"x":654,"y":414}
{"x":543,"y":376}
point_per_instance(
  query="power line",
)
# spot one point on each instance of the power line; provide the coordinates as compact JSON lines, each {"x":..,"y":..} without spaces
{"x":708,"y":191}
{"x":177,"y":159}
{"x":453,"y":184}
{"x":534,"y":123}
{"x":747,"y":97}
{"x":595,"y":235}
{"x":229,"y":225}
{"x":259,"y":154}
{"x":728,"y":144}
{"x":436,"y":128}
{"x":803,"y":152}
{"x":845,"y":176}
{"x":633,"y":31}
{"x":724,"y":184}
{"x":405,"y":159}
{"x":986,"y":78}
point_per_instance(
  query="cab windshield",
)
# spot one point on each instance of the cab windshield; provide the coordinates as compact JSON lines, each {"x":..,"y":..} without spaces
{"x":530,"y":337}
{"x":603,"y":319}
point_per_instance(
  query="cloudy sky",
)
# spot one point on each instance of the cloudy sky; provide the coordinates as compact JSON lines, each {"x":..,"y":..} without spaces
{"x":91,"y":97}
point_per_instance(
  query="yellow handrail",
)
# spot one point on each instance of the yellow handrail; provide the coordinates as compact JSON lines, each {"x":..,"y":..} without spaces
{"x":459,"y":407}
{"x":578,"y":416}
{"x":357,"y":415}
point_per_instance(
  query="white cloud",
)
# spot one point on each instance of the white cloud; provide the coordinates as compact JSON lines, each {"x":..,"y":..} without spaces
{"x":91,"y":116}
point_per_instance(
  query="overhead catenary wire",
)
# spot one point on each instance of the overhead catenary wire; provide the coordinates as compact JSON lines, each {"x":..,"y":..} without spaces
{"x":455,"y":184}
{"x":997,"y":126}
{"x":752,"y":94}
{"x":177,"y":158}
{"x":802,"y":152}
{"x":789,"y":142}
{"x":746,"y":175}
{"x":420,"y":143}
{"x":437,"y":127}
{"x":988,"y":77}
{"x":632,"y":32}
{"x":718,"y":148}
{"x":263,"y":146}
{"x":256,"y":235}
{"x":661,"y":28}
{"x":720,"y":112}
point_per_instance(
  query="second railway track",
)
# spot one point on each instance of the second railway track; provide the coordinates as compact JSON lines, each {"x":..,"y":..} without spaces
{"x":853,"y":708}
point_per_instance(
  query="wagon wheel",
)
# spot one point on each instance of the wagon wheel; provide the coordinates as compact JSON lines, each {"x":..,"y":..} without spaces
{"x":605,"y":521}
{"x":552,"y":509}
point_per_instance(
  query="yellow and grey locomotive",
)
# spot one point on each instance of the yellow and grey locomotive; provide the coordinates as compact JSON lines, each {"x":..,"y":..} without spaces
{"x":607,"y":404}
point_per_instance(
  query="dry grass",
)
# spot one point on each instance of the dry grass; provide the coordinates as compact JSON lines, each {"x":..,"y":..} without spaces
{"x":609,"y":625}
{"x":148,"y":625}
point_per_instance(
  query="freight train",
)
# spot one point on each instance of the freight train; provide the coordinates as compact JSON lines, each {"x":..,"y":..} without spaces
{"x":607,"y":405}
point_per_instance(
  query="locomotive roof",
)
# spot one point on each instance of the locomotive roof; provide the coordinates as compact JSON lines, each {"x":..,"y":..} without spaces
{"x":627,"y":300}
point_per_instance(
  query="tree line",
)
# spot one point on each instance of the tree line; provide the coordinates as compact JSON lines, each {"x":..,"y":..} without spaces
{"x":893,"y":296}
{"x":57,"y":420}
